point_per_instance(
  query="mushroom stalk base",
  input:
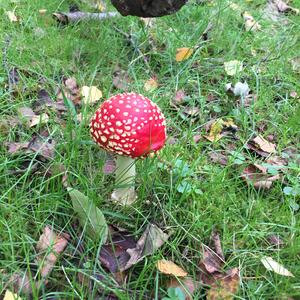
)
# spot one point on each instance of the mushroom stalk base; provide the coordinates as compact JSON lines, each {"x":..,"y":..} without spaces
{"x":124,"y":193}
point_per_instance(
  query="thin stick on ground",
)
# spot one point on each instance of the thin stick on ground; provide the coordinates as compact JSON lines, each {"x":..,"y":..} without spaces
{"x":65,"y":18}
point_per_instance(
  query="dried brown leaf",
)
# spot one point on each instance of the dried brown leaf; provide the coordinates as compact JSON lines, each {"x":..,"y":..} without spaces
{"x":50,"y":244}
{"x":264,"y":145}
{"x":70,"y":90}
{"x":151,"y":240}
{"x":179,"y":97}
{"x":225,"y":287}
{"x":257,"y":176}
{"x":218,"y":157}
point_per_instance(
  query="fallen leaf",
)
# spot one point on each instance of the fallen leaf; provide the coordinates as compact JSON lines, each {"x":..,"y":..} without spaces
{"x":151,"y":240}
{"x":21,"y":283}
{"x":11,"y":296}
{"x":183,"y":53}
{"x":12,"y":16}
{"x":191,"y":111}
{"x":218,"y":157}
{"x":264,"y":145}
{"x":38,"y":119}
{"x":44,"y":147}
{"x":225,"y":287}
{"x":70,"y":90}
{"x":90,"y":94}
{"x":257,"y":176}
{"x":187,"y":285}
{"x":179,"y":97}
{"x":113,"y":255}
{"x":170,"y":268}
{"x":50,"y":244}
{"x":220,"y":128}
{"x":32,"y":119}
{"x":250,"y":23}
{"x":271,"y":265}
{"x":150,"y":85}
{"x":233,"y":67}
{"x":90,"y":217}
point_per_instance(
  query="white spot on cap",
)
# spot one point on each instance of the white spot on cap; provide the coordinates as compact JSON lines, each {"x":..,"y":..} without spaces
{"x":137,"y":109}
{"x":102,"y":126}
{"x":120,"y":131}
{"x":105,"y":117}
{"x":118,"y":123}
{"x":103,"y":138}
{"x":128,"y":106}
{"x":135,"y":119}
{"x":125,"y":113}
{"x":127,"y":128}
{"x":106,"y":131}
{"x":112,"y":116}
{"x":112,"y":129}
{"x":121,"y":101}
{"x":118,"y":110}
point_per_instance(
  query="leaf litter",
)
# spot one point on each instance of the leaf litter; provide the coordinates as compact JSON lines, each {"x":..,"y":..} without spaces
{"x":223,"y":284}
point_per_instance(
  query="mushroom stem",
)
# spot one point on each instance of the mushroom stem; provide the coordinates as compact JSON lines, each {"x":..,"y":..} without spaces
{"x":124,"y":193}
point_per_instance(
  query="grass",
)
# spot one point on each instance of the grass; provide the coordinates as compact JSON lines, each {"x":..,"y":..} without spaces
{"x":89,"y":51}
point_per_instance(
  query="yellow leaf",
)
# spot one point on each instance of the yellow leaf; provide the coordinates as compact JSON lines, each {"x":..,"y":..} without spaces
{"x":183,"y":53}
{"x":170,"y":268}
{"x":12,"y":17}
{"x":150,"y":85}
{"x":11,"y":296}
{"x":90,"y":94}
{"x":232,"y":67}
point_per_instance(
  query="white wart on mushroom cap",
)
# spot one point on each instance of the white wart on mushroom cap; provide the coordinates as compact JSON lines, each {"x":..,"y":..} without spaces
{"x":129,"y":124}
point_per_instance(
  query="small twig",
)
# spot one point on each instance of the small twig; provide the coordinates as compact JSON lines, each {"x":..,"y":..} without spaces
{"x":77,"y":16}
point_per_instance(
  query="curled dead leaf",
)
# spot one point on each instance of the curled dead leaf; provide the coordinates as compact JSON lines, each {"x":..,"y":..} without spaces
{"x":257,"y":176}
{"x":170,"y":268}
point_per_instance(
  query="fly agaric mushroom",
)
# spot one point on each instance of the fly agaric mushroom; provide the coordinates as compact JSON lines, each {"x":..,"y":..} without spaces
{"x":131,"y":126}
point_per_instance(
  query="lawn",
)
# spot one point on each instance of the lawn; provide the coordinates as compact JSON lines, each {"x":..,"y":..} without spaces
{"x":195,"y":186}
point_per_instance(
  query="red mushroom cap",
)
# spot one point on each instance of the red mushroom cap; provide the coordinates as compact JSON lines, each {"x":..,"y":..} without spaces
{"x":129,"y":124}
